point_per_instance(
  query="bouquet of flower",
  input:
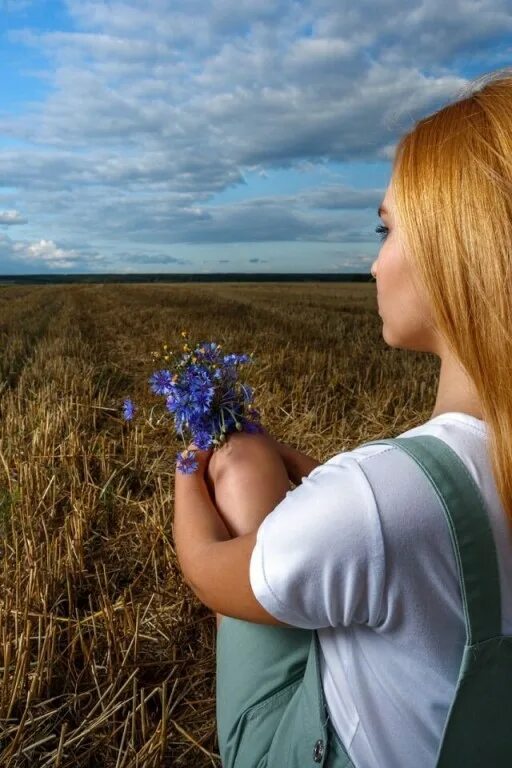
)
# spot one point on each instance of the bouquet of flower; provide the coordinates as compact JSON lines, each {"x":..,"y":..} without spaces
{"x":202,"y":391}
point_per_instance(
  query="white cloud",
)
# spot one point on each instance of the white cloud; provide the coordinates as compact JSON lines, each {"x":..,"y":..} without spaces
{"x":42,"y":254}
{"x":47,"y":252}
{"x":8,"y":218}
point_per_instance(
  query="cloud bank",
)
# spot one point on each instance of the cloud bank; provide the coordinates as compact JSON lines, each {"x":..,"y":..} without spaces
{"x":167,"y":125}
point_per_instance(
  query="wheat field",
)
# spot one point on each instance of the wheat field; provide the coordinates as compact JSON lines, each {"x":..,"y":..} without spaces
{"x":106,"y":656}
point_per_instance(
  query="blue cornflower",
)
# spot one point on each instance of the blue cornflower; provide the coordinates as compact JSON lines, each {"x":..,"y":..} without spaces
{"x":201,"y":391}
{"x":208,"y":351}
{"x":234,"y":359}
{"x":161,"y":382}
{"x":186,"y":463}
{"x":183,"y":406}
{"x":203,"y":440}
{"x":203,"y":397}
{"x":172,"y":402}
{"x":197,"y":375}
{"x":128,"y":409}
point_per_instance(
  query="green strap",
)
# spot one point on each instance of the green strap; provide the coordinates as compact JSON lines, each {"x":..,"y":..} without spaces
{"x":470,"y":531}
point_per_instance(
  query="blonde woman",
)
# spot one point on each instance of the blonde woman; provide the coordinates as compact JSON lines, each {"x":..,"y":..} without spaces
{"x":365,"y":617}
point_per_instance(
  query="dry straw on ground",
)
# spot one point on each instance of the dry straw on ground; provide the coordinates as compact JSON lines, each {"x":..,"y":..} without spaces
{"x":106,"y":657}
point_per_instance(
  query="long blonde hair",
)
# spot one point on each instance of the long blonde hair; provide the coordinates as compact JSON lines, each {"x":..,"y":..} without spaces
{"x":452,"y":189}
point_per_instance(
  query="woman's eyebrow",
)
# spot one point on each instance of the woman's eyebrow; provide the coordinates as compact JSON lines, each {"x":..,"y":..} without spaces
{"x":381,"y":209}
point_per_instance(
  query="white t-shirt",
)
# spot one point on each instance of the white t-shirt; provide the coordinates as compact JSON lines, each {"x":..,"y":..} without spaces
{"x":365,"y":557}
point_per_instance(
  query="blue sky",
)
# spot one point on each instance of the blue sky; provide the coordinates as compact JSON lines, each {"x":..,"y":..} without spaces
{"x":220,"y":136}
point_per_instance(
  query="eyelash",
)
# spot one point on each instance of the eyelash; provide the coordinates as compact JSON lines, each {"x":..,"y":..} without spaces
{"x":382,"y":230}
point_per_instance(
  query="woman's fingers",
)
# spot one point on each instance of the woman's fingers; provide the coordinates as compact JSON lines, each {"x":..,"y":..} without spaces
{"x":202,"y":457}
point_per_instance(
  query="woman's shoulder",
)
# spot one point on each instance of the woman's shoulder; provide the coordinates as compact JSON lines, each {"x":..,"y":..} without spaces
{"x":403,"y":495}
{"x":465,"y":434}
{"x":410,"y":509}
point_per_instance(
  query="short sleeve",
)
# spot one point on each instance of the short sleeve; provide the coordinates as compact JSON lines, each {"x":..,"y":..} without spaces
{"x":318,"y":560}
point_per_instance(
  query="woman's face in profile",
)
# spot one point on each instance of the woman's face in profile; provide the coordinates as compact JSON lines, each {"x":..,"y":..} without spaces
{"x":405,"y":315}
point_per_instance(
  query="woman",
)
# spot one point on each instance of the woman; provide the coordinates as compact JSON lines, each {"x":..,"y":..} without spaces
{"x":361,"y":615}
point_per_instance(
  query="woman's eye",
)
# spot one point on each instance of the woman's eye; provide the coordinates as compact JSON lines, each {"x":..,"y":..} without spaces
{"x":382,"y":230}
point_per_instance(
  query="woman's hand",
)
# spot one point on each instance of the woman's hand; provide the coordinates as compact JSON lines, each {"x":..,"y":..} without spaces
{"x":202,"y":458}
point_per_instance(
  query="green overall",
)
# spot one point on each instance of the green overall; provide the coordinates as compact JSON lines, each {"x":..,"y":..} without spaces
{"x":271,"y":710}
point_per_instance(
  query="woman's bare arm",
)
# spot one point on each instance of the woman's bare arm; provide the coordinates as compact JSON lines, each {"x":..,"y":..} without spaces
{"x":298,"y":465}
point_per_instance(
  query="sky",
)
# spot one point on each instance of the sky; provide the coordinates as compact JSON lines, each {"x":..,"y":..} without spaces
{"x":249,"y":136}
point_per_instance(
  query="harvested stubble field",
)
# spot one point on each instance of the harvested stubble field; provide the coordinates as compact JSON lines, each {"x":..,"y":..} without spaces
{"x":107,"y":657}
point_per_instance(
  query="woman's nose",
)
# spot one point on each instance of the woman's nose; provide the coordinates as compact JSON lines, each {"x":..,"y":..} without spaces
{"x":372,"y":271}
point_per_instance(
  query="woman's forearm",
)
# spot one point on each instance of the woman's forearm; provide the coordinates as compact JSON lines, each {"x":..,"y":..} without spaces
{"x":298,"y":464}
{"x":197,"y":522}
